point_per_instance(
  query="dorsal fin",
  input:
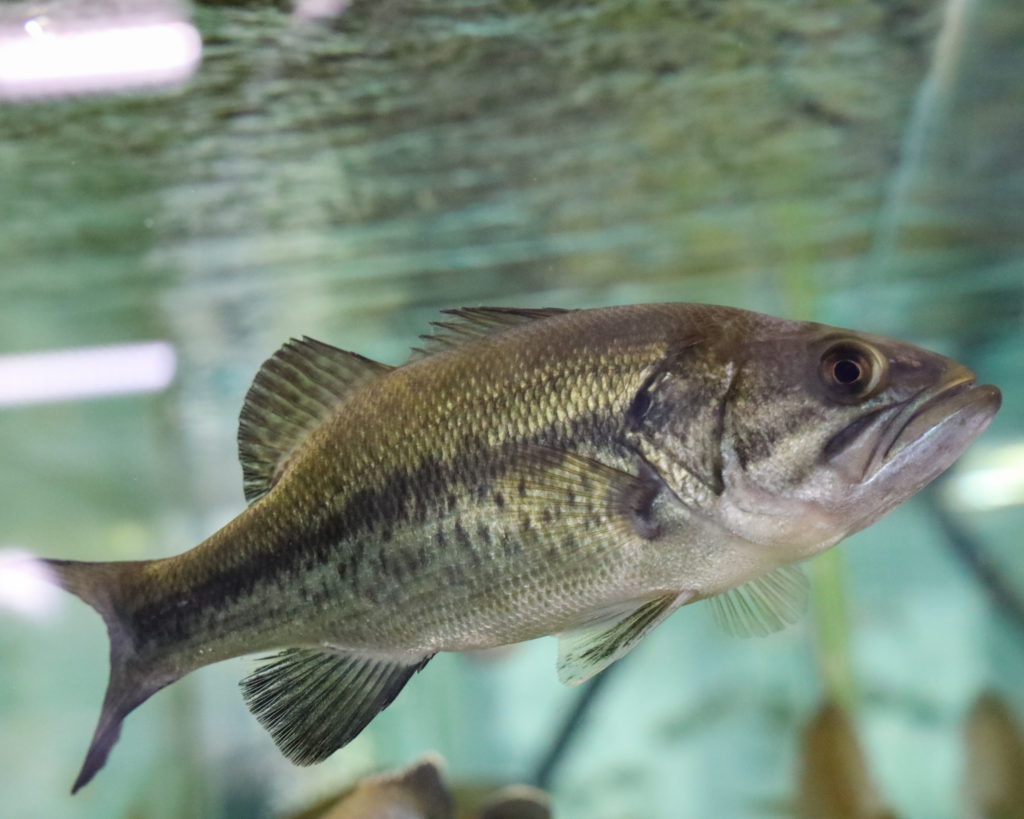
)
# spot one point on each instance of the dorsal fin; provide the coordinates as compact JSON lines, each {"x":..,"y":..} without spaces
{"x":471,"y":323}
{"x":294,"y":390}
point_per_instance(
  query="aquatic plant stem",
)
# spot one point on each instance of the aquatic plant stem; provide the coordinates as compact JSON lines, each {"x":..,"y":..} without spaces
{"x":971,"y":551}
{"x":832,"y":628}
{"x":569,"y":730}
{"x":827,"y":571}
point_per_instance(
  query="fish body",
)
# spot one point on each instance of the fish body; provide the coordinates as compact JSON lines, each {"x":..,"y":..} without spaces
{"x":531,"y":472}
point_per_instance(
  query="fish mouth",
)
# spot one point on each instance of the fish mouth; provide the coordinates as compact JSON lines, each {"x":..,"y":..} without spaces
{"x":950,"y":416}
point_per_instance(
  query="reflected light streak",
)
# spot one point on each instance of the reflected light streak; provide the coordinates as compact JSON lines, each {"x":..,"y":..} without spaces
{"x":86,"y":372}
{"x":319,"y":9}
{"x":989,"y":479}
{"x":40,"y":58}
{"x":26,"y":585}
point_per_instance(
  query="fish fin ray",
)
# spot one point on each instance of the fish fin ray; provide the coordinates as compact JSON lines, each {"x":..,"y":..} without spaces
{"x":471,"y":323}
{"x":314,"y":701}
{"x":585,"y":651}
{"x":291,"y":395}
{"x":764,"y":605}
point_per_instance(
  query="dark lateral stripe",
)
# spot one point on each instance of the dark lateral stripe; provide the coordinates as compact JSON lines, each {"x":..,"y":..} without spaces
{"x":365,"y":524}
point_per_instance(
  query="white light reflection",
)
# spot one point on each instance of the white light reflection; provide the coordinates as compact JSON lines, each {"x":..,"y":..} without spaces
{"x":26,"y":585}
{"x":48,"y":56}
{"x":989,"y":479}
{"x":85,"y":372}
{"x":319,"y":9}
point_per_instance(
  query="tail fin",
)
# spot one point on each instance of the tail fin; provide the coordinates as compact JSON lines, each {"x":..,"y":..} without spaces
{"x":131,"y":683}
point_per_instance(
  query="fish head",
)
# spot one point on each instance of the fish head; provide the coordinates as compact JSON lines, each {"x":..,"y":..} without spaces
{"x":834,"y":428}
{"x":794,"y":435}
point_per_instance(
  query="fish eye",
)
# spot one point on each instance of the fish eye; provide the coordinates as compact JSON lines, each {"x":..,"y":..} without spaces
{"x":853,"y":371}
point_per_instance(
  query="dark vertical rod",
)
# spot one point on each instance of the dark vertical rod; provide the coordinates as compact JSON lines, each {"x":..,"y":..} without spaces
{"x":555,"y":756}
{"x":972,"y":553}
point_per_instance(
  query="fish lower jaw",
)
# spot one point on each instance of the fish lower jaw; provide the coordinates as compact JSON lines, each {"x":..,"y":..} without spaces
{"x":945,"y":422}
{"x":908,"y":468}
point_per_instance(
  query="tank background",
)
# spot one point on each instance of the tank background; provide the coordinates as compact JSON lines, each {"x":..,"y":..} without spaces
{"x":347,"y":179}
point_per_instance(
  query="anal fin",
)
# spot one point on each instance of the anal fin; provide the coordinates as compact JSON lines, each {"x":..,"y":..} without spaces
{"x":585,"y":651}
{"x":314,"y":701}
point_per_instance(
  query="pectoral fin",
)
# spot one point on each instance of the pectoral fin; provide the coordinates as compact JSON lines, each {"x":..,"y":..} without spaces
{"x":577,"y":489}
{"x":314,"y":701}
{"x":585,"y":651}
{"x":764,"y":605}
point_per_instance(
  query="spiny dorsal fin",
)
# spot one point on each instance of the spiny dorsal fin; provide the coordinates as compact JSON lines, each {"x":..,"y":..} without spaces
{"x":585,"y":651}
{"x":294,"y":391}
{"x":314,"y":701}
{"x":471,"y":323}
{"x":764,"y":605}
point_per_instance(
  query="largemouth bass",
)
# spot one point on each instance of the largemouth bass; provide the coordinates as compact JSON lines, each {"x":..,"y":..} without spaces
{"x":528,"y":472}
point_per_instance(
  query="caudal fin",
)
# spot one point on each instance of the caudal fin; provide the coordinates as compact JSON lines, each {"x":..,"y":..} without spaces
{"x":132,"y":682}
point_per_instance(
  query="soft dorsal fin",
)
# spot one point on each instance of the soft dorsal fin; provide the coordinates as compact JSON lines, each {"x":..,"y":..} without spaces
{"x":314,"y":701}
{"x":764,"y":605}
{"x":585,"y":651}
{"x":470,"y":323}
{"x":294,"y":390}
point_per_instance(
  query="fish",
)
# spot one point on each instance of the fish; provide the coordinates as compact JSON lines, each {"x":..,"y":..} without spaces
{"x":993,"y":760}
{"x":527,"y":472}
{"x":420,"y":792}
{"x":834,"y":778}
{"x":517,"y":802}
{"x":416,"y":793}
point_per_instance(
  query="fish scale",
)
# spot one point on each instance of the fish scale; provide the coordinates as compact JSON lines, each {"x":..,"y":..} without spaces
{"x":527,"y":472}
